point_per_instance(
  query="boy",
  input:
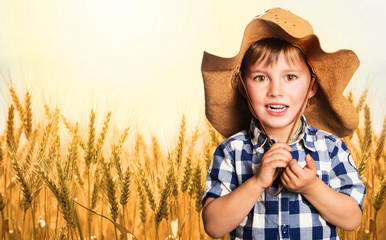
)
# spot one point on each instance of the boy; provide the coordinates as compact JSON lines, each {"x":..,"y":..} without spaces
{"x":279,"y":67}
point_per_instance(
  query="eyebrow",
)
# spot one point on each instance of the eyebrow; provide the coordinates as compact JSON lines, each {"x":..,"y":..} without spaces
{"x":283,"y":71}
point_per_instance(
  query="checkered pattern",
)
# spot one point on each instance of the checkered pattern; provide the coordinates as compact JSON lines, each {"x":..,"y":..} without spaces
{"x":288,"y":215}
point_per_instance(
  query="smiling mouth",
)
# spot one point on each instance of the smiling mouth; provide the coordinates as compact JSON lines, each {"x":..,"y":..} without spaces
{"x":277,"y":108}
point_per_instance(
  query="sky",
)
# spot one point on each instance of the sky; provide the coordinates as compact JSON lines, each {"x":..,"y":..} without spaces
{"x":141,"y":59}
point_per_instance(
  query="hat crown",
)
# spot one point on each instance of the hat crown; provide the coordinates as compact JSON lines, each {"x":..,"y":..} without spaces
{"x":289,"y":22}
{"x":329,"y":110}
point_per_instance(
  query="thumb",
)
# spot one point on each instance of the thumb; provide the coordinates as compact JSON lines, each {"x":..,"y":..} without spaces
{"x":310,"y":163}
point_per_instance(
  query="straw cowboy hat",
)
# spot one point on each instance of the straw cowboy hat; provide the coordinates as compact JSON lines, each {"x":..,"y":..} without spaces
{"x":329,"y":110}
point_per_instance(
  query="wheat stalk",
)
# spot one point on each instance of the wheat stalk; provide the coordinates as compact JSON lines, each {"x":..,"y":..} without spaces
{"x":198,"y":188}
{"x":19,"y":173}
{"x":350,"y":97}
{"x":193,"y":141}
{"x":54,"y":150}
{"x":116,"y":159}
{"x":146,"y":187}
{"x":27,"y":120}
{"x":2,"y":203}
{"x":102,"y":137}
{"x":187,"y":175}
{"x":157,"y":155}
{"x":31,"y":148}
{"x":73,"y":153}
{"x":367,"y":140}
{"x":142,"y":203}
{"x":44,"y":141}
{"x":62,"y":234}
{"x":125,"y":192}
{"x":208,"y":156}
{"x":110,"y":191}
{"x":95,"y":190}
{"x":1,"y":154}
{"x":174,"y":181}
{"x":125,"y":187}
{"x":380,"y":196}
{"x":61,"y":193}
{"x":163,"y":208}
{"x":362,"y":100}
{"x":11,"y":142}
{"x":381,"y":142}
{"x":181,"y":140}
{"x":123,"y":138}
{"x":90,"y":150}
{"x":17,"y":103}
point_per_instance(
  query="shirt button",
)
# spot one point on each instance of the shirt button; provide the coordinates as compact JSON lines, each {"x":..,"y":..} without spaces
{"x":284,"y":229}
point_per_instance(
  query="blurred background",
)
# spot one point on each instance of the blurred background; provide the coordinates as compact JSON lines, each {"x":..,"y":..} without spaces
{"x":141,"y":59}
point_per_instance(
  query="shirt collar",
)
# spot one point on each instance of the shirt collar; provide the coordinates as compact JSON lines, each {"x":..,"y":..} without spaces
{"x":259,"y":138}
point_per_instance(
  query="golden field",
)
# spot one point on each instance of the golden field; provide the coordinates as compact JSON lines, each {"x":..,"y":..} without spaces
{"x":59,"y":180}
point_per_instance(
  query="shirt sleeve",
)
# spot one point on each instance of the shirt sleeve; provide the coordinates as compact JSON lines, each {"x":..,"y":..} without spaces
{"x":344,"y":176}
{"x":221,"y":177}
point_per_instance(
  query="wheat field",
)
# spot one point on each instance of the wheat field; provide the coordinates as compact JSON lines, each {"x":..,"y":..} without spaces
{"x":59,"y":180}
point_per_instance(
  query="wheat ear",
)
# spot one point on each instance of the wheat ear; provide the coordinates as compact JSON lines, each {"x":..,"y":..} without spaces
{"x":381,"y":142}
{"x":102,"y":136}
{"x":362,"y":100}
{"x":27,"y":116}
{"x":11,"y":142}
{"x":157,"y":155}
{"x":380,"y":196}
{"x":125,"y":187}
{"x":198,"y":188}
{"x":142,"y":202}
{"x":187,"y":174}
{"x":62,"y":234}
{"x":174,"y":181}
{"x":2,"y":203}
{"x":163,"y":206}
{"x":208,"y":156}
{"x":20,"y":174}
{"x":181,"y":140}
{"x":350,"y":97}
{"x":367,"y":140}
{"x":146,"y":186}
{"x":16,"y":101}
{"x":110,"y":191}
{"x":90,"y":150}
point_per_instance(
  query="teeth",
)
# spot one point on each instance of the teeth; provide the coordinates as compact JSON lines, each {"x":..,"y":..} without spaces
{"x":277,"y":108}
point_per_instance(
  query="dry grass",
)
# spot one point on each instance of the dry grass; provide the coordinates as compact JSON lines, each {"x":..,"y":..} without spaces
{"x":59,"y":181}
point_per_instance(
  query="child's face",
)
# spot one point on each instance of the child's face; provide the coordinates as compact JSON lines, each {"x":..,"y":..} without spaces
{"x":277,"y":92}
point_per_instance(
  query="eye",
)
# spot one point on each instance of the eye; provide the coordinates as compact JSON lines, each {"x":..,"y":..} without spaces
{"x":290,"y":77}
{"x":261,"y":78}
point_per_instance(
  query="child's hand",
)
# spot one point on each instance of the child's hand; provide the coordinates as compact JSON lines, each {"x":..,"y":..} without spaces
{"x":278,"y":156}
{"x":297,"y":179}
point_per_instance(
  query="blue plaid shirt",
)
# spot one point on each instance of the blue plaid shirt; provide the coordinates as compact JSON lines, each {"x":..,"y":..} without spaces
{"x":288,"y":215}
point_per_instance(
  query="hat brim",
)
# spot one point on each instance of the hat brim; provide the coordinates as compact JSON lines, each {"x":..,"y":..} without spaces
{"x":228,"y":111}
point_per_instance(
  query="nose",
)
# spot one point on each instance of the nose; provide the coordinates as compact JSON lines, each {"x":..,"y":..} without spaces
{"x":275,"y":89}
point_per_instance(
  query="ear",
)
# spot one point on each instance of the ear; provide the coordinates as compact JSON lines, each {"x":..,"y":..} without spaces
{"x":241,"y":88}
{"x":313,"y":90}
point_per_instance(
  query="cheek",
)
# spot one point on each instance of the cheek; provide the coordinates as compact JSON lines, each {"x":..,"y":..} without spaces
{"x":256,"y":95}
{"x":298,"y":93}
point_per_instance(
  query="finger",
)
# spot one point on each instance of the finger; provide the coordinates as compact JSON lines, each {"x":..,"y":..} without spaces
{"x":295,"y":168}
{"x":292,"y":176}
{"x":280,"y":145}
{"x":282,"y":151}
{"x":285,"y":179}
{"x":277,"y":156}
{"x":310,"y":163}
{"x":277,"y":164}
